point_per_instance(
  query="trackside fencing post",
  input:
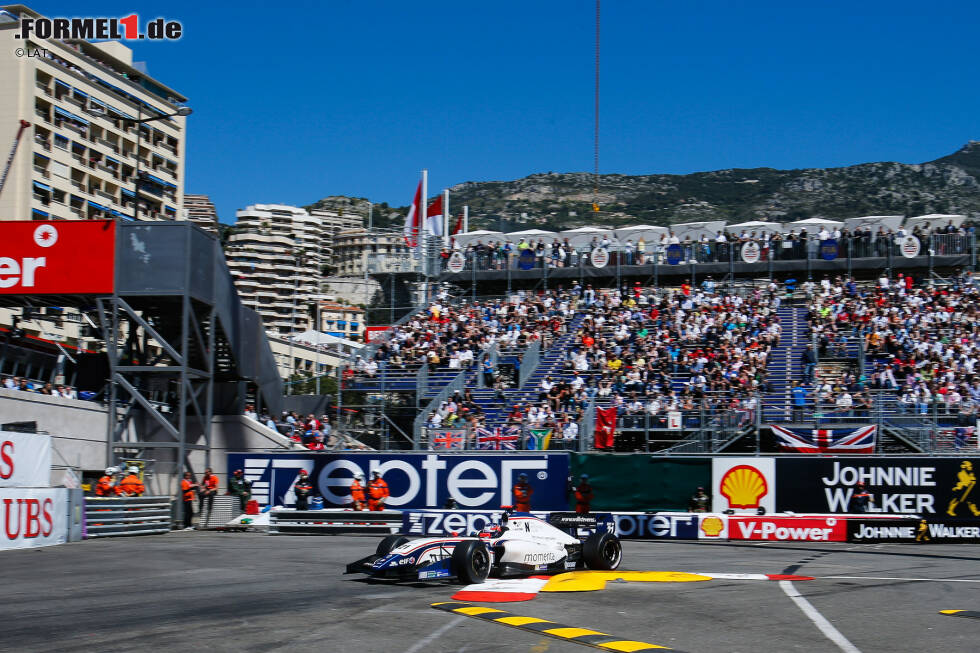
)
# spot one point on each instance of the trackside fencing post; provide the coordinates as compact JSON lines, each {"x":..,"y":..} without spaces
{"x":456,"y":385}
{"x":529,"y":362}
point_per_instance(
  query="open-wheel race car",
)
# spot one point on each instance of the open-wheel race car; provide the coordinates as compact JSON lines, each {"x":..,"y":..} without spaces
{"x":519,"y":545}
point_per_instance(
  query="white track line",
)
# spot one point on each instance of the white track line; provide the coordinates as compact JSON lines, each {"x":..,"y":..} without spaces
{"x":433,"y":636}
{"x":818,"y":619}
{"x":932,"y":580}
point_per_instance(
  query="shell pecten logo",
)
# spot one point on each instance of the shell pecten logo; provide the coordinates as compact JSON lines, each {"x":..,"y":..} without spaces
{"x":744,"y":486}
{"x":712,"y":526}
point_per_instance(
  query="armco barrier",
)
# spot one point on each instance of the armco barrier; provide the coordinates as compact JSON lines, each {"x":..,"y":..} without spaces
{"x":696,"y":526}
{"x":110,"y":516}
{"x":223,"y":510}
{"x":334,"y":522}
{"x":914,"y":530}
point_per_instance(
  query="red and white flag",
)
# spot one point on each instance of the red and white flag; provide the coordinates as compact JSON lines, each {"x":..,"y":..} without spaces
{"x":433,"y":217}
{"x":605,"y":427}
{"x":412,"y":219}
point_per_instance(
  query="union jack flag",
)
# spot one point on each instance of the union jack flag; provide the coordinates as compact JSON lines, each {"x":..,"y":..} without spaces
{"x":499,"y":438}
{"x":799,"y":440}
{"x":448,"y":439}
{"x":957,"y":437}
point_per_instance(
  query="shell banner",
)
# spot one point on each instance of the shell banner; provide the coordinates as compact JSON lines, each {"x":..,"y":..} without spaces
{"x":743,"y":484}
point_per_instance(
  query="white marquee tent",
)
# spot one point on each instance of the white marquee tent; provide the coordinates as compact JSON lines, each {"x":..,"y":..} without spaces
{"x":530,"y":235}
{"x":874,"y":222}
{"x":313,"y":338}
{"x":696,"y":229}
{"x":812,"y":224}
{"x":757,"y":226}
{"x":933,"y":220}
{"x":483,"y":235}
{"x":582,"y":236}
{"x":649,"y":233}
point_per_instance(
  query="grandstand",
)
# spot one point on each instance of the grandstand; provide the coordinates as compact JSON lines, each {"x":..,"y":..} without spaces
{"x":694,"y":390}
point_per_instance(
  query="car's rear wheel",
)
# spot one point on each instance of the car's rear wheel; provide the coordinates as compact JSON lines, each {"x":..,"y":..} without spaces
{"x":389,"y":544}
{"x":602,"y":551}
{"x":471,"y":562}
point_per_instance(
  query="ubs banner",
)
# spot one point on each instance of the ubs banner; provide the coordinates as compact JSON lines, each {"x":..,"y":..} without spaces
{"x":33,"y":517}
{"x":415,"y":480}
{"x":931,"y":487}
{"x":25,"y":459}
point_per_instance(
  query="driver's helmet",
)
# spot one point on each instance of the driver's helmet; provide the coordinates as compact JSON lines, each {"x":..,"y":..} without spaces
{"x":491,"y":531}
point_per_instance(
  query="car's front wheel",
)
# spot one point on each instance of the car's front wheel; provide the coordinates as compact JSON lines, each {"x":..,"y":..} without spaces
{"x":471,"y":561}
{"x":389,"y":544}
{"x":602,"y":551}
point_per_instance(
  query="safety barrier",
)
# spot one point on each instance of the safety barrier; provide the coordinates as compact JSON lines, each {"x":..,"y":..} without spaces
{"x":743,"y":526}
{"x":334,"y":522}
{"x":112,"y":516}
{"x":223,"y":510}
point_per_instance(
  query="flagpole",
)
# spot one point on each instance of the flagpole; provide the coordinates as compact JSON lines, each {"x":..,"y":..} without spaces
{"x":445,"y":218}
{"x":423,"y":216}
{"x":466,"y":219}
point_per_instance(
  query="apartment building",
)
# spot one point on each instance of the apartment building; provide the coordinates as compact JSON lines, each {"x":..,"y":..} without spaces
{"x":275,"y":253}
{"x":80,"y":154}
{"x":333,"y":221}
{"x":200,"y":210}
{"x":342,"y":320}
{"x":361,"y":251}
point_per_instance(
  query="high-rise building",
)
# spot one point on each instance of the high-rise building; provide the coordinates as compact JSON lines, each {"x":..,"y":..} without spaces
{"x":79,"y":156}
{"x":360,"y":250}
{"x":200,"y":210}
{"x":274,"y":254}
{"x":333,"y":222}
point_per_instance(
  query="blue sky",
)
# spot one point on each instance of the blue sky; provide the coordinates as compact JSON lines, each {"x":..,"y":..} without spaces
{"x":294,"y":101}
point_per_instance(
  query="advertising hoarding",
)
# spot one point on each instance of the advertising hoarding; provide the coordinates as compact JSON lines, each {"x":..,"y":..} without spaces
{"x":415,"y":480}
{"x":63,"y":257}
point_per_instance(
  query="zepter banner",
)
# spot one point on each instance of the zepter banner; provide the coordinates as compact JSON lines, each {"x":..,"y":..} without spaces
{"x":415,"y":480}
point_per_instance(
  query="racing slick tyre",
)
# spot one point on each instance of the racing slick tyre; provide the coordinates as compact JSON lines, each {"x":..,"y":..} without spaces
{"x":602,"y":551}
{"x":389,"y":544}
{"x":470,"y":562}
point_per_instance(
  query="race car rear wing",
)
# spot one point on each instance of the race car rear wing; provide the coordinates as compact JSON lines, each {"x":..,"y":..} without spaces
{"x":573,"y":521}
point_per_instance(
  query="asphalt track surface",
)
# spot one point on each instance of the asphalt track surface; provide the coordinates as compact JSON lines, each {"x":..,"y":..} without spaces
{"x":196,"y":591}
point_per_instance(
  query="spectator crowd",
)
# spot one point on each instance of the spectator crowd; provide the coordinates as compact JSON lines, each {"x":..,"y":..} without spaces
{"x":27,"y":385}
{"x":919,"y":341}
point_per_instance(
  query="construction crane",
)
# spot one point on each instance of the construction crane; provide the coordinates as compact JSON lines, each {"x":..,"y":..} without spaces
{"x":13,"y":152}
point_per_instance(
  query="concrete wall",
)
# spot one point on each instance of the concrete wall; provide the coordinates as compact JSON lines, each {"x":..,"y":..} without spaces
{"x":78,"y":430}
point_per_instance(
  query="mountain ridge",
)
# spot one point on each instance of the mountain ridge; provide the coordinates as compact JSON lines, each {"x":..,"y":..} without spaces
{"x":948,"y":184}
